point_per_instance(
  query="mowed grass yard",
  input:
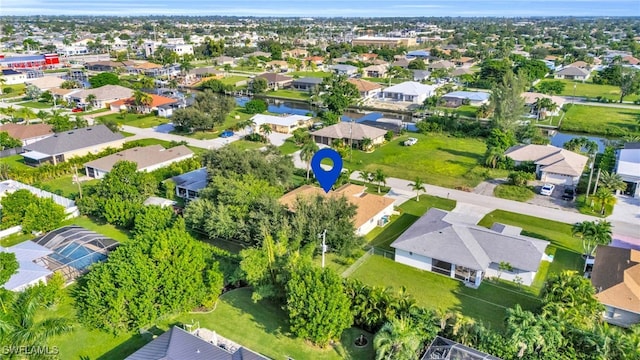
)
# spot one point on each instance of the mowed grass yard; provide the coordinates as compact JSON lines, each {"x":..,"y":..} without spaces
{"x":591,"y":90}
{"x":289,"y":94}
{"x":436,"y":159}
{"x":487,"y":303}
{"x":137,"y":120}
{"x":317,"y":74}
{"x":601,"y":120}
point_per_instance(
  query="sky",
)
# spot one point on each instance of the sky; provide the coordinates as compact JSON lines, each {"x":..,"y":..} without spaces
{"x":325,"y":8}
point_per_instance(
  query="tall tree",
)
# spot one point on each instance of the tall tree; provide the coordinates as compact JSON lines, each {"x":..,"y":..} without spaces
{"x":507,"y":102}
{"x":306,"y":153}
{"x":397,"y":340}
{"x":319,"y":309}
{"x":380,"y":177}
{"x":612,"y":181}
{"x":418,"y":186}
{"x":629,"y":82}
{"x":592,"y":233}
{"x":339,"y":93}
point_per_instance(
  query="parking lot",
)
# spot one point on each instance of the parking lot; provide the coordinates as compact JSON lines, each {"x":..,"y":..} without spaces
{"x":553,"y":201}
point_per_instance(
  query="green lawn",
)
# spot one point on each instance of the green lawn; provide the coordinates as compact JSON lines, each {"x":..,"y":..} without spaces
{"x":385,"y":81}
{"x":289,"y":147}
{"x":289,"y":94}
{"x":436,"y":159}
{"x":64,"y":186}
{"x":487,"y":303}
{"x":263,"y":327}
{"x":512,"y":192}
{"x":99,"y":227}
{"x":467,"y":110}
{"x":232,"y":80}
{"x":601,"y":120}
{"x":591,"y":206}
{"x":147,"y":142}
{"x":137,"y":120}
{"x":97,"y":111}
{"x":16,"y":90}
{"x":16,"y":162}
{"x":591,"y":90}
{"x":36,"y":104}
{"x":15,"y":239}
{"x":318,"y":74}
{"x":410,"y":211}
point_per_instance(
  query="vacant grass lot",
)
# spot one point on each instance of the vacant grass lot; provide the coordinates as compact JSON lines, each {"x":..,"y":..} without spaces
{"x":289,"y":94}
{"x":512,"y":192}
{"x":410,"y":211}
{"x":318,"y":74}
{"x":232,"y":80}
{"x":436,"y":159}
{"x":601,"y":120}
{"x":36,"y":104}
{"x":487,"y":303}
{"x":16,"y":90}
{"x":137,"y":120}
{"x":591,"y":90}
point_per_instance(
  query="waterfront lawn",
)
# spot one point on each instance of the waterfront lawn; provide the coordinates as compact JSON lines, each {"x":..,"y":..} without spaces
{"x":289,"y":94}
{"x":233,"y":79}
{"x":601,"y":120}
{"x":410,"y":211}
{"x":487,"y":303}
{"x":591,"y":90}
{"x":437,"y":159}
{"x":263,"y":327}
{"x":302,"y":74}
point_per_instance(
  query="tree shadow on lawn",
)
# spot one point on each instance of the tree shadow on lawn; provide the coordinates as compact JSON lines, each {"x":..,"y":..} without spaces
{"x":629,"y":126}
{"x":467,"y":154}
{"x":267,"y":316}
{"x":127,"y":348}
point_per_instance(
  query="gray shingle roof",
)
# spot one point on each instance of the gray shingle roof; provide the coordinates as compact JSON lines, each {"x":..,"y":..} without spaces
{"x":178,"y":344}
{"x":195,"y":180}
{"x":437,"y":236}
{"x":74,"y":140}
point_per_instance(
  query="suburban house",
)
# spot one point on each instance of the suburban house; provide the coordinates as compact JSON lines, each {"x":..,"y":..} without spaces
{"x":278,"y":65}
{"x":276,"y":81}
{"x":616,"y":277}
{"x":108,"y":65}
{"x":69,"y":250}
{"x":224,"y":60}
{"x":375,"y":71}
{"x":580,"y":64}
{"x":403,"y":63}
{"x":148,"y":158}
{"x":367,"y":89}
{"x":104,"y":95}
{"x":628,"y":167}
{"x":283,"y":124}
{"x":409,"y":91}
{"x":458,"y":98}
{"x":439,"y":242}
{"x":62,"y":94}
{"x":464,"y":62}
{"x":553,"y":164}
{"x":295,"y":53}
{"x":199,"y":344}
{"x":130,"y":105}
{"x":366,"y":57}
{"x":13,"y":77}
{"x":458,"y":72}
{"x":342,"y":69}
{"x":530,"y":99}
{"x":349,"y":132}
{"x":317,"y":60}
{"x":78,"y":142}
{"x":441,"y":65}
{"x":372,"y":210}
{"x":45,"y":83}
{"x":572,"y":73}
{"x":420,"y":75}
{"x":306,"y":83}
{"x":28,"y":134}
{"x":188,"y":185}
{"x":418,"y":54}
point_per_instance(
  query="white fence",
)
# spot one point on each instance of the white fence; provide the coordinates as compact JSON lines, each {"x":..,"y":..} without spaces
{"x":12,"y":185}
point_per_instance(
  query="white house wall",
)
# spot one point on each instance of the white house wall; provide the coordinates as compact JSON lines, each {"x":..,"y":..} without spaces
{"x":413,"y":260}
{"x":558,"y":179}
{"x":526,"y":276}
{"x":620,"y":317}
{"x":373,"y":222}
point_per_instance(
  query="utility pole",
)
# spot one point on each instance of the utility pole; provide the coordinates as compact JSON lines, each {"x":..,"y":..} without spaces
{"x":75,"y":169}
{"x":351,"y":141}
{"x":324,"y":244}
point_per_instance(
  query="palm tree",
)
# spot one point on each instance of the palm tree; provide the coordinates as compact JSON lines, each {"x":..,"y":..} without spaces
{"x":417,"y":186}
{"x":18,"y":325}
{"x":605,"y":197}
{"x":27,"y":114}
{"x":266,"y":130}
{"x":142,"y":99}
{"x":493,"y":156}
{"x":9,"y":111}
{"x":306,"y":153}
{"x":366,"y":143}
{"x":396,"y":340}
{"x":380,"y":177}
{"x":366,"y":176}
{"x":2,"y":82}
{"x":43,"y":115}
{"x":146,"y":82}
{"x":90,"y":99}
{"x":612,"y":181}
{"x":592,"y":233}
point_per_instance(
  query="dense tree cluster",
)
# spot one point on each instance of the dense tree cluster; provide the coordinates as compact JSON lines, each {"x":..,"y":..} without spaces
{"x":158,"y":272}
{"x":7,"y":142}
{"x":338,"y":96}
{"x":103,"y":79}
{"x":209,"y":109}
{"x":34,"y":214}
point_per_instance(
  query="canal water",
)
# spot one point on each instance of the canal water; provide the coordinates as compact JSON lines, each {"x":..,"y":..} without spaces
{"x":301,"y":108}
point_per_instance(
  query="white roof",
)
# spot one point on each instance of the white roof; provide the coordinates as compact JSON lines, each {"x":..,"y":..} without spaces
{"x":28,"y":271}
{"x":629,"y":162}
{"x":289,"y":120}
{"x":411,"y":88}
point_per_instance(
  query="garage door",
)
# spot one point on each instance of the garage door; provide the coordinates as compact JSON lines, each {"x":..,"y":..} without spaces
{"x":557,"y":179}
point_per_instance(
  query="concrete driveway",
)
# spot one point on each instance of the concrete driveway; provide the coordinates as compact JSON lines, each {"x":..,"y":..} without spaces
{"x":554,"y":201}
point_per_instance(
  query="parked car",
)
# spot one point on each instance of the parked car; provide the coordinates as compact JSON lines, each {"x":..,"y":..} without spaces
{"x":569,"y":194}
{"x":410,"y":142}
{"x":547,"y":189}
{"x":75,"y":110}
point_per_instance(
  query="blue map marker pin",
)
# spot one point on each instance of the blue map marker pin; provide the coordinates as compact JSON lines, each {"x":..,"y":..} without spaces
{"x":326,"y":178}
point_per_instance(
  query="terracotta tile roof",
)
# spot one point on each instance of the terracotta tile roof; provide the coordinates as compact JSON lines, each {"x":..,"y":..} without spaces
{"x":24,"y":132}
{"x":364,"y":85}
{"x":156,"y":101}
{"x":368,"y":205}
